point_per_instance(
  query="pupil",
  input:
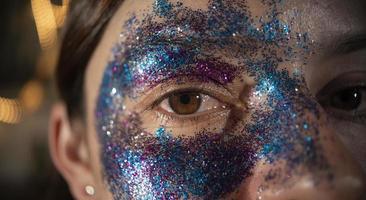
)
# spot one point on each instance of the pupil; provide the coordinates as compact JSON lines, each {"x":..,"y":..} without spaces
{"x":185,"y":99}
{"x":349,"y":99}
{"x":185,"y":103}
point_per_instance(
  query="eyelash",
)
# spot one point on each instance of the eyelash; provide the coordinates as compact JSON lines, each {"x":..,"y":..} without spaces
{"x":159,"y":100}
{"x":163,"y":115}
{"x":353,"y":118}
{"x":343,"y":82}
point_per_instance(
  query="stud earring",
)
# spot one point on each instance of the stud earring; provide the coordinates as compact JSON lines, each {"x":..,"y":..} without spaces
{"x":89,"y":190}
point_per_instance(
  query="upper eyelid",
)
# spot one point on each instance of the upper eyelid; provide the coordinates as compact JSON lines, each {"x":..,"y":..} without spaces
{"x":351,"y":43}
{"x":213,"y":81}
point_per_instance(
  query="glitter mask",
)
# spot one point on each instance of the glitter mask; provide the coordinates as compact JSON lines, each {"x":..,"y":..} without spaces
{"x":209,"y":165}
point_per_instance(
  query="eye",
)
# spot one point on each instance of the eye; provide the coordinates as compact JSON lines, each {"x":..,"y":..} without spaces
{"x":349,"y":99}
{"x":345,"y":97}
{"x":187,"y":103}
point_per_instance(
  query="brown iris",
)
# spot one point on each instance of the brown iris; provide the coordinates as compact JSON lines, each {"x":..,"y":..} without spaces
{"x":185,"y":103}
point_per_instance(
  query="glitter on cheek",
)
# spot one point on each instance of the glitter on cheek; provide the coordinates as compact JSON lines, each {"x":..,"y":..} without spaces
{"x":208,"y":165}
{"x":154,"y":166}
{"x":158,"y":166}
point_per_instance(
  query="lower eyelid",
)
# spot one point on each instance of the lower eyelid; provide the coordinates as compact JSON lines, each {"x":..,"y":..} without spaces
{"x":173,"y":120}
{"x":360,"y":119}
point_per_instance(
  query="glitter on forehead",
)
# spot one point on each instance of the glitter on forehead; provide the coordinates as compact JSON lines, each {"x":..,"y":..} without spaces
{"x":198,"y":44}
{"x":162,"y":7}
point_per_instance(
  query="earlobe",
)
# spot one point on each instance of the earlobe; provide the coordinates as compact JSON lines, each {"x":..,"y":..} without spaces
{"x":69,"y":152}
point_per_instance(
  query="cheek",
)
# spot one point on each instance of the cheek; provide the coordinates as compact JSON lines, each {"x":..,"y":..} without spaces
{"x":354,"y":138}
{"x":96,"y":166}
{"x":283,"y":126}
{"x":139,"y":164}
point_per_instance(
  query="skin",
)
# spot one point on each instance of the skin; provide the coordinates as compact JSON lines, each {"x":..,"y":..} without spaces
{"x":76,"y":148}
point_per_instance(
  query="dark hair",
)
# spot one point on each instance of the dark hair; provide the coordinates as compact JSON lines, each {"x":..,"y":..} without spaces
{"x":85,"y":25}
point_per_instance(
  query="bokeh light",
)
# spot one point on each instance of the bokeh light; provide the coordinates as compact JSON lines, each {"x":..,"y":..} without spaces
{"x":31,"y":96}
{"x":45,"y":23}
{"x":10,"y":111}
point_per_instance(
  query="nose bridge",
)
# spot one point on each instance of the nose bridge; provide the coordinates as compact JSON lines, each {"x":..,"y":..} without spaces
{"x":337,"y":178}
{"x":300,"y":156}
{"x":284,"y":119}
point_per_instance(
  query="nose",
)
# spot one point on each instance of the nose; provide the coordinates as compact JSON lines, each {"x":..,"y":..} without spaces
{"x":337,"y":177}
{"x":305,"y":161}
{"x":340,"y":179}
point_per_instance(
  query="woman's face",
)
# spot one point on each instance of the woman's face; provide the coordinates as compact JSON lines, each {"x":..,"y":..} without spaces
{"x":242,"y":99}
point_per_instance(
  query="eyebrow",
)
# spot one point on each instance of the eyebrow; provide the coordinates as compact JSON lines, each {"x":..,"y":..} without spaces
{"x":350,"y":44}
{"x":165,"y":34}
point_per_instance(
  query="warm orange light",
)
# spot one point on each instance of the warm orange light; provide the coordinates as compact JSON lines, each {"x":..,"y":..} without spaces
{"x":10,"y":111}
{"x":60,"y":12}
{"x":45,"y":22}
{"x":48,"y":18}
{"x":31,"y":96}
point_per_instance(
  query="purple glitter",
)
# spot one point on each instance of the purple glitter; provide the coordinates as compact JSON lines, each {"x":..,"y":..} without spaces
{"x":209,"y":165}
{"x":161,"y":166}
{"x":153,"y":64}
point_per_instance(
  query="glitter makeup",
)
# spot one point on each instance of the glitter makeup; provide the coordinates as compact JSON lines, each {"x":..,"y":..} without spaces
{"x":282,"y":121}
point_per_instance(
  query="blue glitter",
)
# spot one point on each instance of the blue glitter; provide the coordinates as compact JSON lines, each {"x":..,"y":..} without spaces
{"x":308,"y":139}
{"x":162,"y":7}
{"x":141,"y":165}
{"x":275,"y":30}
{"x":168,"y":168}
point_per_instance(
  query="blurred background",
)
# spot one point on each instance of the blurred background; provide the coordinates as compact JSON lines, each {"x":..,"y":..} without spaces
{"x":29,"y":35}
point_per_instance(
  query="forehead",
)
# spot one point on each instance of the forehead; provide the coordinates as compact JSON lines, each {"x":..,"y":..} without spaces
{"x":323,"y":20}
{"x":329,"y":15}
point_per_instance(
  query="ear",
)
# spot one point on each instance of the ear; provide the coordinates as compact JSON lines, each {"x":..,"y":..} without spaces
{"x":69,"y":152}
